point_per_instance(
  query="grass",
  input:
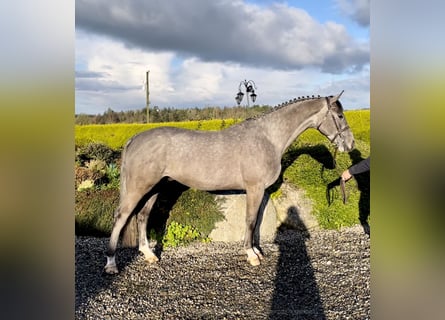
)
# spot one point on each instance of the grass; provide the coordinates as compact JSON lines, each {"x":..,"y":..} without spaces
{"x":313,"y":171}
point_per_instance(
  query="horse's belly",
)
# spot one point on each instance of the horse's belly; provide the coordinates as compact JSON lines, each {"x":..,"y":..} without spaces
{"x":205,"y":178}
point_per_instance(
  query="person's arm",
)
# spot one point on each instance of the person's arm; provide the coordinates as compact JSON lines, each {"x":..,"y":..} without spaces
{"x":357,"y":168}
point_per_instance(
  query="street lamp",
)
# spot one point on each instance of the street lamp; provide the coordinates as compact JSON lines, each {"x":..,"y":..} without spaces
{"x":249,"y":88}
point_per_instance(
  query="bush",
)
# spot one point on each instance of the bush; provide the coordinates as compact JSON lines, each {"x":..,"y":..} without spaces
{"x":94,"y":211}
{"x":112,"y":172}
{"x":96,"y":151}
{"x":178,"y":234}
{"x":178,"y":207}
{"x":89,"y":176}
{"x":198,"y":209}
{"x":177,"y":218}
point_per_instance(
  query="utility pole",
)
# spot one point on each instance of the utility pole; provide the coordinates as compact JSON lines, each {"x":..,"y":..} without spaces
{"x":148,"y":96}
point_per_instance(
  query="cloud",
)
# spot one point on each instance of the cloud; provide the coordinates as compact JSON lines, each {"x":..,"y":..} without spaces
{"x":357,"y":10}
{"x":112,"y":75}
{"x":276,"y":36}
{"x":80,"y":74}
{"x":356,"y":88}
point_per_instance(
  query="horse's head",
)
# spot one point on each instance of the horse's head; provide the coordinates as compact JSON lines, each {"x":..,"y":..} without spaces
{"x":334,"y":126}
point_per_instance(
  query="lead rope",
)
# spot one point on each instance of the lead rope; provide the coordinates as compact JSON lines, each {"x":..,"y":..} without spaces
{"x":337,"y":182}
{"x":342,"y":182}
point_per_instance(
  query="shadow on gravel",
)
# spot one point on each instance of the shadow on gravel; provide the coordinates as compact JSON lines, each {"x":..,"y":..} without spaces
{"x":296,"y":294}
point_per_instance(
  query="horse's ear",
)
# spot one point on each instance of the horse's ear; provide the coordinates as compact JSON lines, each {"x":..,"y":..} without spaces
{"x":335,"y":98}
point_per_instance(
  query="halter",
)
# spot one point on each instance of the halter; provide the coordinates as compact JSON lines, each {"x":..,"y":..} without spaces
{"x":339,"y":130}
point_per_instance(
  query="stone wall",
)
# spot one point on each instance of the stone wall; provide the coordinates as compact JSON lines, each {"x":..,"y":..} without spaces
{"x":291,"y":208}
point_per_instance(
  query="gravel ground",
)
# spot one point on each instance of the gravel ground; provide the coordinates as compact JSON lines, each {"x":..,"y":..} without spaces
{"x":322,"y":276}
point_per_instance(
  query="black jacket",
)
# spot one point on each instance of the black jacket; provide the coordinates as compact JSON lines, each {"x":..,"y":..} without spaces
{"x":361,"y":166}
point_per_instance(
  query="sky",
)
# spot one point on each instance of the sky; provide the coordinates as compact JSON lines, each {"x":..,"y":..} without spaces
{"x":198,"y":52}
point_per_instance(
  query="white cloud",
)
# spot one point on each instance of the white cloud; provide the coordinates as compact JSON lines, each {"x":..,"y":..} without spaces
{"x":113,"y":77}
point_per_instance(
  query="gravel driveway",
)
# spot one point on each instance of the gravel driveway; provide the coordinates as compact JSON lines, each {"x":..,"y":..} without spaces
{"x":322,"y":276}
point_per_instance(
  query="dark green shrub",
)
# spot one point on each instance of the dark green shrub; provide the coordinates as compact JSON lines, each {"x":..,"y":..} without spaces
{"x":198,"y":209}
{"x":178,"y":217}
{"x":180,"y":211}
{"x":112,"y":172}
{"x":94,"y":211}
{"x":96,"y":151}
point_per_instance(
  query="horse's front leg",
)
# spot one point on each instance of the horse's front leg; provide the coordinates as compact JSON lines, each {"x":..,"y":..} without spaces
{"x":254,"y":196}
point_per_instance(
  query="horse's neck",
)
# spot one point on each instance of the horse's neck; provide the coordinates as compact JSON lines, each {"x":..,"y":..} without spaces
{"x":284,"y":125}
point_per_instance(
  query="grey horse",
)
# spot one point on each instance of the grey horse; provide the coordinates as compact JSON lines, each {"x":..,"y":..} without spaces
{"x":246,"y":156}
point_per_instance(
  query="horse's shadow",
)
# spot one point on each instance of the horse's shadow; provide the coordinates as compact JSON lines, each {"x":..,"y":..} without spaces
{"x":169,"y":193}
{"x":296,"y":294}
{"x":318,"y":152}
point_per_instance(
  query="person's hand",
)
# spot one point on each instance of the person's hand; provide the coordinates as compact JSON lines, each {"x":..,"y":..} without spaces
{"x":346,"y":175}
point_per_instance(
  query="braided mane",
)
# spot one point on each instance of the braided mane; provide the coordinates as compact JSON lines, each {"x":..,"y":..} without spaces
{"x":284,"y":104}
{"x":302,"y":98}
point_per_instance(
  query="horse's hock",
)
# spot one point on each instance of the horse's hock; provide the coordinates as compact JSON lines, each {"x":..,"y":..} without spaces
{"x":291,"y":208}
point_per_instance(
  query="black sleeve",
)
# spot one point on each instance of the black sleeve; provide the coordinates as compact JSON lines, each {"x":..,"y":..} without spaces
{"x":360,"y":167}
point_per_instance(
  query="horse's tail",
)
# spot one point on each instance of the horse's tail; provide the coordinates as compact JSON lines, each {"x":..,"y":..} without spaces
{"x":130,"y":230}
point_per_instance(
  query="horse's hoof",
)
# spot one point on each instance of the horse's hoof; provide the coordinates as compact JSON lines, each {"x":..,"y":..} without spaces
{"x":258,"y":253}
{"x":151,"y":259}
{"x":111,"y":270}
{"x":255,"y":261}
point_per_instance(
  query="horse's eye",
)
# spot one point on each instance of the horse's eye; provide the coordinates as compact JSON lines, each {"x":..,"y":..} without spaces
{"x":340,"y":116}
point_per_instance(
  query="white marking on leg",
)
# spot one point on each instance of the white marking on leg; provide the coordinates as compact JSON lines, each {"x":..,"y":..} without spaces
{"x":111,"y":267}
{"x":150,"y":257}
{"x":252,"y":257}
{"x":111,"y":261}
{"x":258,"y":253}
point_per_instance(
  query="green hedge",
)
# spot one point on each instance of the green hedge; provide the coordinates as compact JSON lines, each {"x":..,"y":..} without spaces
{"x":116,"y":135}
{"x":94,"y":211}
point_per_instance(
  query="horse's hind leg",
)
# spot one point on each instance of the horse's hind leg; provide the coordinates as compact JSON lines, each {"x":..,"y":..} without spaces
{"x":142,"y":217}
{"x":126,"y":207}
